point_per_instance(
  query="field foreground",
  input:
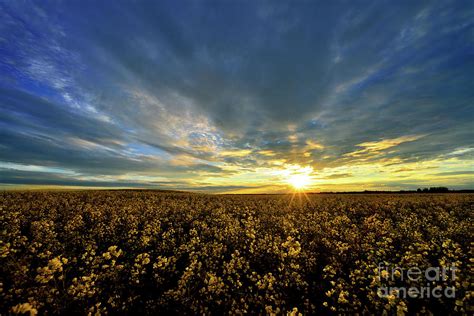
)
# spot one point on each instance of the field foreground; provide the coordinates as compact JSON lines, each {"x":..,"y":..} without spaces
{"x":134,"y":252}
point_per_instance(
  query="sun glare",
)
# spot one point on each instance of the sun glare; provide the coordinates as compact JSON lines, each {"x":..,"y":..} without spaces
{"x":298,"y":177}
{"x":299,"y":181}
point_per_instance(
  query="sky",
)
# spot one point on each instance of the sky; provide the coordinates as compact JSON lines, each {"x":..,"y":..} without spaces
{"x":237,"y":96}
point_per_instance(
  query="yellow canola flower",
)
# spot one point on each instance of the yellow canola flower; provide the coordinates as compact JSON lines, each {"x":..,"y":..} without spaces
{"x":24,"y":308}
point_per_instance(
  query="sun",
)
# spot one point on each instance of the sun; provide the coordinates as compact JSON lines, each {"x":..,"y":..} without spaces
{"x":299,"y":181}
{"x":298,"y":177}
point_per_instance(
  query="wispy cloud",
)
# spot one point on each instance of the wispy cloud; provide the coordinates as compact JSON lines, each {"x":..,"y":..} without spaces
{"x":375,"y":148}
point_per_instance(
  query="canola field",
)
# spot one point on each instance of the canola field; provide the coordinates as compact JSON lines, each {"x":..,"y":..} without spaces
{"x":146,"y":252}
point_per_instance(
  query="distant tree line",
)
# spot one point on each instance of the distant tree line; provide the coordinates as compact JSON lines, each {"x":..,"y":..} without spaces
{"x":419,"y":190}
{"x":433,"y":190}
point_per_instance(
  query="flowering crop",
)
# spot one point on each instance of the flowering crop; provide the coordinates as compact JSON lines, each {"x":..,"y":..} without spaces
{"x":145,"y":252}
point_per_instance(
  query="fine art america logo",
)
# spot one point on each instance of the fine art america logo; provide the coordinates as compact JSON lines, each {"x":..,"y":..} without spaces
{"x":423,"y":283}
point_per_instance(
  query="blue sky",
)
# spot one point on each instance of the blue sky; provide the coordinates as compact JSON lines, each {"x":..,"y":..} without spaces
{"x":237,"y":96}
